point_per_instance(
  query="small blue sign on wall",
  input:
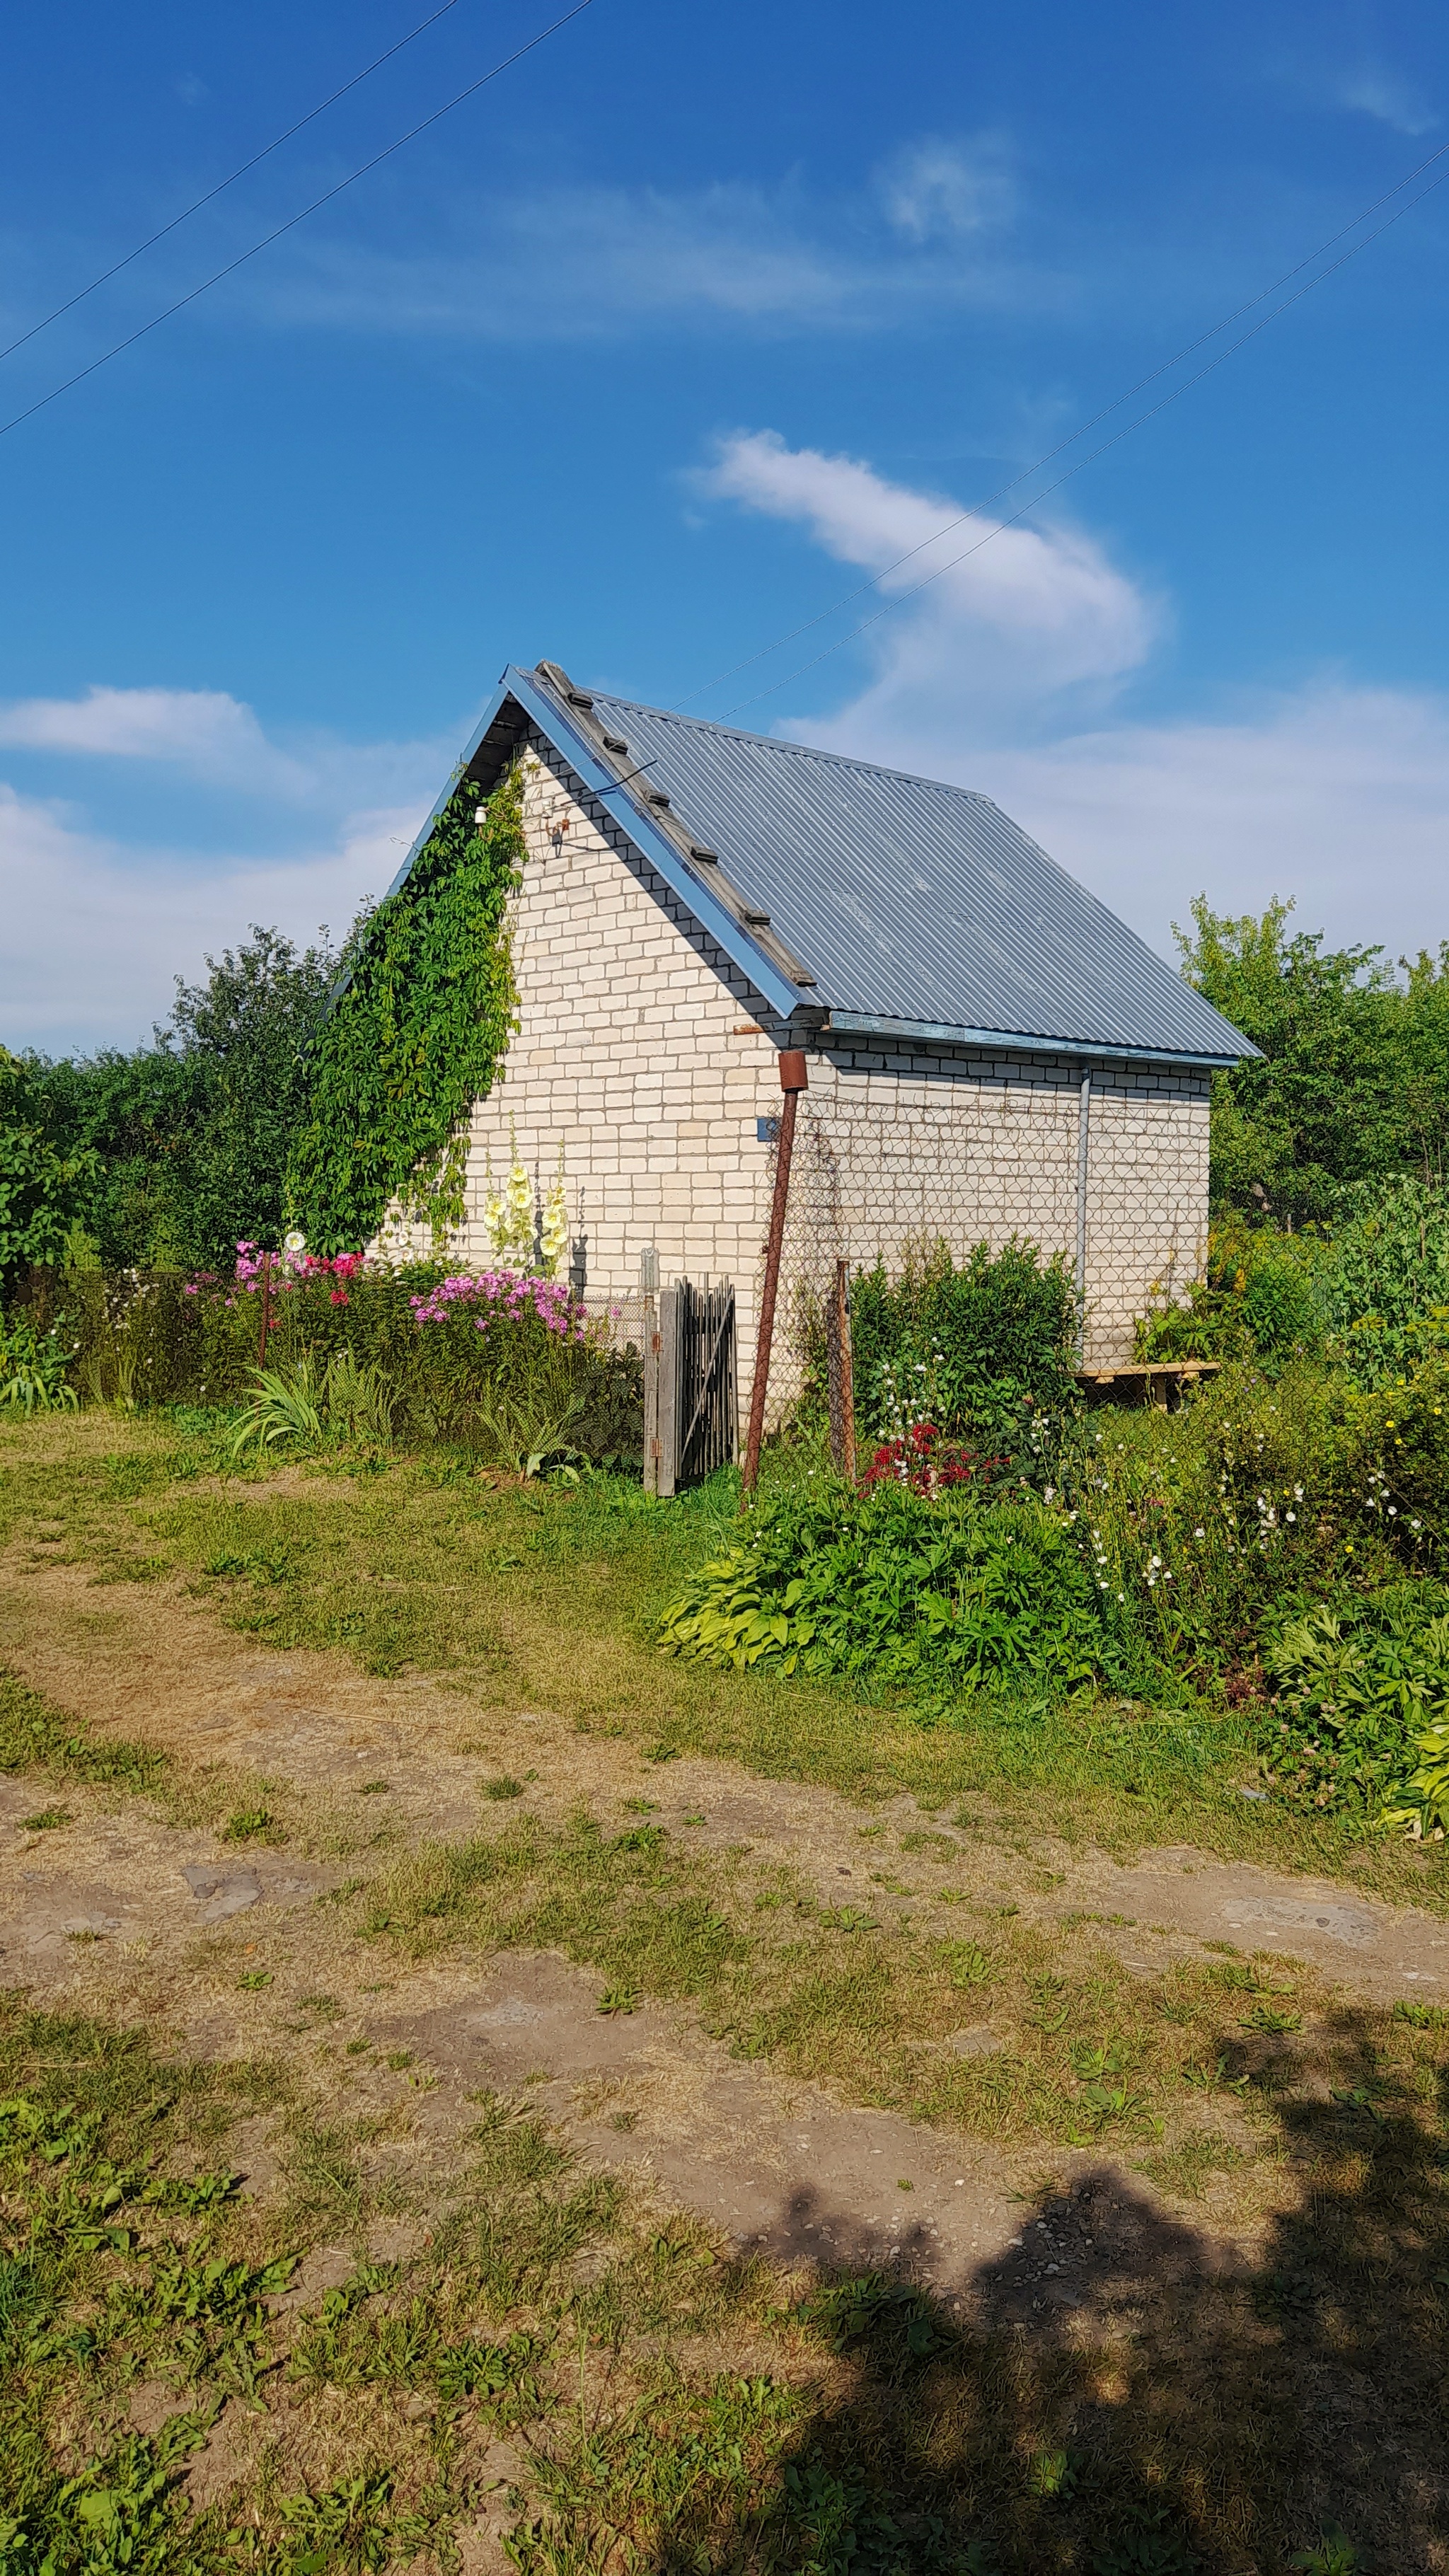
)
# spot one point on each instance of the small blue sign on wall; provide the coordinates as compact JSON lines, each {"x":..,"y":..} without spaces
{"x":767,"y":1131}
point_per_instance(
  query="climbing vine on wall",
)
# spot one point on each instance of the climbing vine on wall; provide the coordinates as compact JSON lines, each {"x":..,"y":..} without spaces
{"x":416,"y":1033}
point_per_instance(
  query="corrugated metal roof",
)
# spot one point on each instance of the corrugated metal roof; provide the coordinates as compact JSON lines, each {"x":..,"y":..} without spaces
{"x":909,"y":900}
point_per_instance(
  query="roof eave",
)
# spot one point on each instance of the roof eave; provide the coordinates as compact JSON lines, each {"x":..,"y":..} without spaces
{"x":855,"y":1024}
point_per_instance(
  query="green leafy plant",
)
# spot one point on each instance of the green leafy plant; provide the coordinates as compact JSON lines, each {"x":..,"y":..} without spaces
{"x":415,"y":1031}
{"x":285,"y":1407}
{"x":1419,"y":1804}
{"x":33,"y":1368}
{"x":1335,"y":2555}
{"x":351,"y":2525}
{"x":982,"y":1352}
{"x":901,"y":1586}
{"x":358,"y":1400}
{"x":1359,"y":1686}
{"x":1384,"y":1290}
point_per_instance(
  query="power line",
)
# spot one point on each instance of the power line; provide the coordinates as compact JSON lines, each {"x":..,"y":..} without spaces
{"x":292,"y":221}
{"x":223,"y":184}
{"x":1152,"y":377}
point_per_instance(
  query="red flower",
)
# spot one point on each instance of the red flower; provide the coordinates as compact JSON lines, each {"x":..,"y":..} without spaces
{"x":340,"y":1297}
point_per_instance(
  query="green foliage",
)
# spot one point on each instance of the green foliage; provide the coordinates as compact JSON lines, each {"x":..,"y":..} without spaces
{"x":1255,"y":1299}
{"x":415,"y":1033}
{"x":350,"y":2526}
{"x":285,"y":1406}
{"x":33,"y":1367}
{"x":1384,"y":1291}
{"x":898,"y":1587}
{"x":1353,"y":1081}
{"x":1419,"y":1804}
{"x":186,"y":1141}
{"x":349,"y":1364}
{"x":43,"y":1183}
{"x":1358,"y":1685}
{"x":982,"y":1351}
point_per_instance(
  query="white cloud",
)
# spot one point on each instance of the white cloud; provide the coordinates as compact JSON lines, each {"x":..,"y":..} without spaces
{"x":98,"y":921}
{"x":1333,"y":795}
{"x":95,"y":931}
{"x":1371,"y":91}
{"x":200,"y":730}
{"x":1014,"y":619}
{"x":208,"y":735}
{"x":941,"y":190}
{"x":581,"y":262}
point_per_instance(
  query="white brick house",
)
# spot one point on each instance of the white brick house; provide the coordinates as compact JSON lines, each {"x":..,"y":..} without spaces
{"x":990,"y":1051}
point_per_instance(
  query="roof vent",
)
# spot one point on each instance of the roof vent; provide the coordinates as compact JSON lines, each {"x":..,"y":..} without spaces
{"x":612,"y":742}
{"x":756,"y":920}
{"x":580,"y":698}
{"x":706,"y":858}
{"x":656,"y":795}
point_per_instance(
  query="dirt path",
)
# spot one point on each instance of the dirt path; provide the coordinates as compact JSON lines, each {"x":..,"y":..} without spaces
{"x":117,"y":1911}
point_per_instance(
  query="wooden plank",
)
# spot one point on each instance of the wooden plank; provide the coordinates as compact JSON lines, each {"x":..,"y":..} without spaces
{"x":1148,"y":1369}
{"x":651,"y":1397}
{"x":668,"y":1440}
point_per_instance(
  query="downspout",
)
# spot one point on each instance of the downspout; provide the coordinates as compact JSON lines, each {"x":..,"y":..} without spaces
{"x":1084,"y":1120}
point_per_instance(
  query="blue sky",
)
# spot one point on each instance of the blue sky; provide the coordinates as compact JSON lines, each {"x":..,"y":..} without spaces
{"x":689,"y":324}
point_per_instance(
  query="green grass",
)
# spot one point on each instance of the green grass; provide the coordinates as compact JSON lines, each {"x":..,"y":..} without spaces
{"x":547,"y":1597}
{"x":1088,"y":2051}
{"x":670,"y":2405}
{"x":38,"y":1740}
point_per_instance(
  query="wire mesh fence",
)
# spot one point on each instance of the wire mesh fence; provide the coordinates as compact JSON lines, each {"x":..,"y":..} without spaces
{"x":862,"y":1190}
{"x":946,"y":1168}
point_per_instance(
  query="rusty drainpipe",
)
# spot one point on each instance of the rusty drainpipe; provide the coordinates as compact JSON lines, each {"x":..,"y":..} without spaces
{"x":793,"y":1080}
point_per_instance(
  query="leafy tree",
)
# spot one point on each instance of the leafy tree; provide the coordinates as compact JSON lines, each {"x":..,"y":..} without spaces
{"x":246,"y":1031}
{"x":41,"y":1187}
{"x":189,"y":1137}
{"x":1353,"y":1079}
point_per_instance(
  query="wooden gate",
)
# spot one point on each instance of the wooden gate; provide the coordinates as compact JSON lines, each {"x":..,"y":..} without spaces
{"x":691,"y":1388}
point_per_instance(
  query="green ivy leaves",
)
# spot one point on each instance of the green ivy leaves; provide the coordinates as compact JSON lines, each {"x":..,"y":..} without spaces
{"x":415,"y":1032}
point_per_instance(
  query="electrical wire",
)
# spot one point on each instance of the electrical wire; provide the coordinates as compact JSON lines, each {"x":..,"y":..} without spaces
{"x":223,"y":184}
{"x":292,"y":221}
{"x":1153,"y":376}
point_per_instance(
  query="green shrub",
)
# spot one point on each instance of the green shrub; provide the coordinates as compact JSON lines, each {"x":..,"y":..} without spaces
{"x":983,"y":1352}
{"x":41,"y":1184}
{"x":351,"y":1357}
{"x":1384,"y":1292}
{"x":1359,"y":1683}
{"x":894,"y":1586}
{"x":1255,"y":1299}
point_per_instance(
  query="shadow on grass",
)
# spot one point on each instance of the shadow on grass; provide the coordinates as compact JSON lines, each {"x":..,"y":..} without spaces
{"x":1121,"y":2393}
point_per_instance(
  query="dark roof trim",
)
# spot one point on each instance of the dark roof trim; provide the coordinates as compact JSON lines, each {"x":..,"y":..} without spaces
{"x":849,"y":1024}
{"x":784,"y":998}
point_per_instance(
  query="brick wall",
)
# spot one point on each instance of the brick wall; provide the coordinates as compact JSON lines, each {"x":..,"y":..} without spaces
{"x":644,"y":1052}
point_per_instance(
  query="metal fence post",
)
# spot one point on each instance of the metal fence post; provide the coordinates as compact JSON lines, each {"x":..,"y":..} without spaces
{"x":841,"y":1374}
{"x":793,"y":1080}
